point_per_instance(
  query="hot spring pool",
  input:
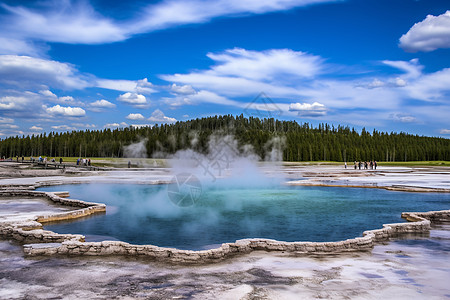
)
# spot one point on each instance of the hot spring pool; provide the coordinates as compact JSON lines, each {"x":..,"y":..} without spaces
{"x":143,"y":214}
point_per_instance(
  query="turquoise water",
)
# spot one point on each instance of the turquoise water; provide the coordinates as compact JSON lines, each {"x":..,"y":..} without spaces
{"x":143,"y":214}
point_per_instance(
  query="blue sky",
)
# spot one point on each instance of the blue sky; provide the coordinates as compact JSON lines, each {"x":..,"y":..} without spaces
{"x":75,"y":65}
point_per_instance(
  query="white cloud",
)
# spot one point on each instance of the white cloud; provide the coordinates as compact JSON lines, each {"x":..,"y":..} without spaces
{"x":133,"y":86}
{"x":265,"y":65}
{"x":117,"y":85}
{"x":240,"y":72}
{"x":102,"y":104}
{"x":183,"y":90}
{"x":115,"y":125}
{"x":13,"y":45}
{"x":159,"y":117}
{"x":78,"y":22}
{"x":48,"y":93}
{"x":14,"y":102}
{"x":63,"y":127}
{"x":404,"y":118}
{"x":428,"y":35}
{"x":82,"y":125}
{"x":445,"y":131}
{"x":66,"y":99}
{"x":172,"y":13}
{"x":63,"y":21}
{"x":9,"y":126}
{"x":400,"y":82}
{"x":134,"y":99}
{"x":6,"y":120}
{"x":111,"y":125}
{"x":376,"y":83}
{"x":412,"y":68}
{"x":25,"y":71}
{"x":36,"y":128}
{"x":66,"y":111}
{"x":308,"y":110}
{"x":143,"y":86}
{"x":135,"y":117}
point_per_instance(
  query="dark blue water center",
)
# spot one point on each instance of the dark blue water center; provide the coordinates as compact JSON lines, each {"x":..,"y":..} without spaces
{"x":143,"y":214}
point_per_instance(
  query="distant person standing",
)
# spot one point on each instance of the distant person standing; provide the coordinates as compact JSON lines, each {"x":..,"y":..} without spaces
{"x":345,"y":165}
{"x":23,"y":158}
{"x":355,"y":165}
{"x":60,"y":160}
{"x":129,"y":164}
{"x":375,"y":164}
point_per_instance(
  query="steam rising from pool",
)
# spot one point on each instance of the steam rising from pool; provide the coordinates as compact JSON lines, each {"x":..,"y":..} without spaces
{"x":143,"y":214}
{"x":239,"y":199}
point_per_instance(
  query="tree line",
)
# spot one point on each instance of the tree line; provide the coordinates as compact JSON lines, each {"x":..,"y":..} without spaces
{"x":300,"y":142}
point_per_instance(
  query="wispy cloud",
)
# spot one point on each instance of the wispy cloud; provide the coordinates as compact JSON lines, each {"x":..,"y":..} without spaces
{"x":78,"y":22}
{"x":31,"y":72}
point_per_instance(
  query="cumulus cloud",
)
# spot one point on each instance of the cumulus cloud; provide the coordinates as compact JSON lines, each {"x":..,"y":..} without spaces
{"x":403,"y":118}
{"x":159,"y":117}
{"x":83,"y":125}
{"x":400,"y":82}
{"x":183,"y":89}
{"x":102,"y":104}
{"x":428,"y":35}
{"x":36,"y":128}
{"x":66,"y":99}
{"x":135,"y":117}
{"x":115,"y":125}
{"x":315,"y":109}
{"x":143,"y":86}
{"x":134,"y":99}
{"x":66,"y":111}
{"x":48,"y":93}
{"x":445,"y":131}
{"x":63,"y":127}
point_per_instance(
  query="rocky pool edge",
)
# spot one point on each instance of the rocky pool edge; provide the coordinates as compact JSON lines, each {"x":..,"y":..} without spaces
{"x":39,"y":242}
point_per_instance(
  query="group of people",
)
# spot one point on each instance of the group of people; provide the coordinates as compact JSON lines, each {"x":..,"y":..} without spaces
{"x":83,"y":162}
{"x":366,"y":165}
